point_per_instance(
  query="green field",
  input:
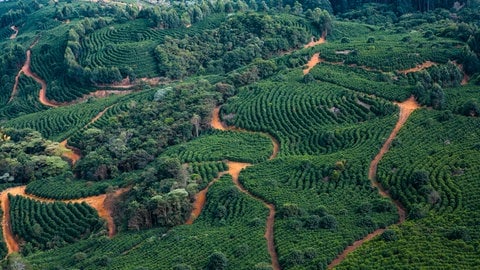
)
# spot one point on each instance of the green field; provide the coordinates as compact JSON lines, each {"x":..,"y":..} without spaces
{"x":289,"y":183}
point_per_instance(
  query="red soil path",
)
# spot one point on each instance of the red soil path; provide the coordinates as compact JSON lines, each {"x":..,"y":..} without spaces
{"x":422,"y":66}
{"x":72,"y":153}
{"x":406,"y":108}
{"x":43,"y":91}
{"x":312,"y":62}
{"x":26,"y":70}
{"x":465,"y":79}
{"x":234,"y":169}
{"x":318,"y":42}
{"x":200,"y":200}
{"x":96,"y":202}
{"x":14,"y":35}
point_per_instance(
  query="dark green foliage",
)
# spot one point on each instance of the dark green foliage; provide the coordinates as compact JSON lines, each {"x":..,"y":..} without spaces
{"x":217,"y":261}
{"x":444,"y":165}
{"x":461,"y":233}
{"x":389,"y":235}
{"x":419,"y":179}
{"x":330,"y":124}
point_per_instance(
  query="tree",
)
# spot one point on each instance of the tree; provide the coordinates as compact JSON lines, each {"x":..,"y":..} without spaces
{"x":419,"y":178}
{"x":217,"y":261}
{"x":471,"y":108}
{"x":196,"y":123}
{"x":389,"y":235}
{"x":437,"y":96}
{"x":308,"y":78}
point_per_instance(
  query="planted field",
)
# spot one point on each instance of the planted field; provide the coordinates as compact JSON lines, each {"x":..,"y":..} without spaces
{"x":47,"y":61}
{"x":438,"y":187}
{"x":232,"y":223}
{"x":357,"y":79}
{"x":48,"y":225}
{"x":60,"y":123}
{"x":313,"y":118}
{"x":132,"y":44}
{"x":386,"y":50}
{"x":67,"y":189}
{"x":224,"y":145}
{"x":206,"y":171}
{"x":25,"y":101}
{"x":324,"y":208}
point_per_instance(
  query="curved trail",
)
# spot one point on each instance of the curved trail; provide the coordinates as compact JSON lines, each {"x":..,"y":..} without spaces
{"x":43,"y":91}
{"x":96,"y":202}
{"x":72,"y":153}
{"x":419,"y":67}
{"x":15,"y":29}
{"x":28,"y":72}
{"x":406,"y":108}
{"x":234,"y":169}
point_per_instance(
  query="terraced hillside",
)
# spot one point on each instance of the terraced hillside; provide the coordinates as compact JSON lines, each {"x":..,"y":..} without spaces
{"x":239,"y":135}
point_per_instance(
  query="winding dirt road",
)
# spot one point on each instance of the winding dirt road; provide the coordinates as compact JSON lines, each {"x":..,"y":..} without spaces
{"x":52,"y":103}
{"x":96,"y":202}
{"x":234,"y":169}
{"x":406,"y":108}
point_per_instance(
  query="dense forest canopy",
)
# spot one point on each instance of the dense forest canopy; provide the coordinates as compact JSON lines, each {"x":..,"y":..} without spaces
{"x":239,"y":134}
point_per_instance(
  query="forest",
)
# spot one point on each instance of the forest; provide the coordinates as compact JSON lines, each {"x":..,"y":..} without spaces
{"x":239,"y":134}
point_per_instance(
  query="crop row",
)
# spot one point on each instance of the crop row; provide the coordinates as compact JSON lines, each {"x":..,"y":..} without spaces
{"x":134,"y":44}
{"x":138,"y":56}
{"x":326,"y":214}
{"x":206,"y":171}
{"x":390,"y":53}
{"x":25,"y":101}
{"x":221,"y":145}
{"x":356,"y":79}
{"x":442,"y":204}
{"x":60,"y":123}
{"x":48,"y":225}
{"x":62,"y":189}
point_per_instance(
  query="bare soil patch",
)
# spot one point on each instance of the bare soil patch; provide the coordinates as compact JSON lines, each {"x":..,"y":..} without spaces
{"x":312,"y":62}
{"x":344,"y":52}
{"x":422,"y":66}
{"x":321,"y":40}
{"x":71,"y":153}
{"x":15,"y":29}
